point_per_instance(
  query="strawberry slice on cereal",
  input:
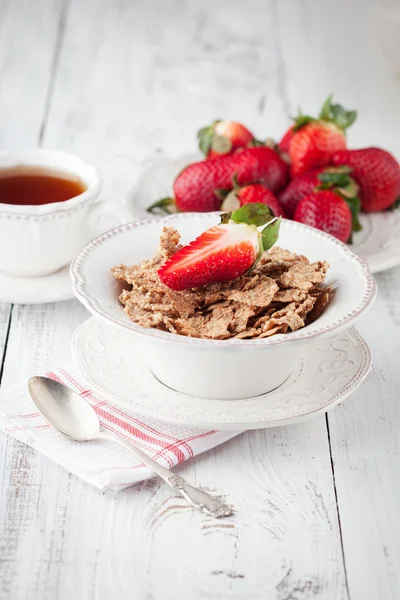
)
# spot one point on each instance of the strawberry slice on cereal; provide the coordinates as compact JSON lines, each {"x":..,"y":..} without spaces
{"x":223,"y":252}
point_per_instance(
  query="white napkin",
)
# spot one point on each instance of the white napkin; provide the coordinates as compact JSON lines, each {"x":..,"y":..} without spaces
{"x":102,"y":463}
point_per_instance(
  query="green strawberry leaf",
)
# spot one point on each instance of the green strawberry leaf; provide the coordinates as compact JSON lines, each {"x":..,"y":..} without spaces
{"x":301,"y":120}
{"x":336,"y":176}
{"x":330,"y":179}
{"x":342,"y":184}
{"x":335,"y":113}
{"x":355,"y":206}
{"x":254,"y":143}
{"x":254,"y":213}
{"x":270,"y":234}
{"x":165,"y":206}
{"x":326,"y":112}
{"x":205,"y":137}
{"x":343,"y":118}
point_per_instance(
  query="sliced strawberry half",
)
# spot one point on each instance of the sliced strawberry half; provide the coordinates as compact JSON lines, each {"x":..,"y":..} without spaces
{"x":223,"y":252}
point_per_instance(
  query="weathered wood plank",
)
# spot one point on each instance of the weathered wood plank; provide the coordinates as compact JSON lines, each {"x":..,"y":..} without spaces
{"x":5,"y":310}
{"x":257,"y":553}
{"x":28,"y":34}
{"x":365,"y":439}
{"x":389,"y":286}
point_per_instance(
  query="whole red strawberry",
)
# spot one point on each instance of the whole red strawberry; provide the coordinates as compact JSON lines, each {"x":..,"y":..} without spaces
{"x":311,"y":142}
{"x":284,"y":144}
{"x":223,"y":137}
{"x":197,"y":187}
{"x":377,"y":173}
{"x":252,"y":193}
{"x":223,"y":252}
{"x":326,"y":211}
{"x":296,"y":190}
{"x":337,"y":179}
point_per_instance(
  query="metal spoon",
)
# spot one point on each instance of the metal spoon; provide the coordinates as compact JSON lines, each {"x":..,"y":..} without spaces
{"x":75,"y":418}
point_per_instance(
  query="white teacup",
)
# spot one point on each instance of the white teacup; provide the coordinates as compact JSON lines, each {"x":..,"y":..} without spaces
{"x":37,"y":240}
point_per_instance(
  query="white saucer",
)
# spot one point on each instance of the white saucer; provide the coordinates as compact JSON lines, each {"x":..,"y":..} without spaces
{"x":36,"y":290}
{"x":378,"y":243}
{"x":111,"y":362}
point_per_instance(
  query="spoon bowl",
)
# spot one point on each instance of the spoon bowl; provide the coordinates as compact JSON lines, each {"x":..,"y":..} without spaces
{"x":64,"y":409}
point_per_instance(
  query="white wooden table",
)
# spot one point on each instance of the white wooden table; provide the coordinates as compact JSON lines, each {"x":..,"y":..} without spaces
{"x":318,"y":503}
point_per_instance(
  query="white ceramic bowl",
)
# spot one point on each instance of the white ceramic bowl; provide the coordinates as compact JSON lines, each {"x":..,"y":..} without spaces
{"x":223,"y":369}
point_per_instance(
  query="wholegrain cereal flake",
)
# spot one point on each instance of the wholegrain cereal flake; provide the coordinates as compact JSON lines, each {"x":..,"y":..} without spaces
{"x":282,"y":293}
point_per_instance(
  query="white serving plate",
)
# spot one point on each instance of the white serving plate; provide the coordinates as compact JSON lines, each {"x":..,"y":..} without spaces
{"x":378,"y":243}
{"x":329,"y":371}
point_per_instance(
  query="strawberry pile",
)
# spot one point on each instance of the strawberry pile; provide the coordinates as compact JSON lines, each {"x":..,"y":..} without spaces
{"x":309,"y":176}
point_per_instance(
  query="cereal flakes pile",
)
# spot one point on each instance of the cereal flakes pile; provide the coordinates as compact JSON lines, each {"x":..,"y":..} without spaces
{"x":282,"y":293}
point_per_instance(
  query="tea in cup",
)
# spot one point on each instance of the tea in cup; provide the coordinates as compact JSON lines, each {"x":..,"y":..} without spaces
{"x":49,"y":209}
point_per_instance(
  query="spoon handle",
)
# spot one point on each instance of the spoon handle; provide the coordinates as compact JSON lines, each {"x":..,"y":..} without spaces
{"x":210,"y":505}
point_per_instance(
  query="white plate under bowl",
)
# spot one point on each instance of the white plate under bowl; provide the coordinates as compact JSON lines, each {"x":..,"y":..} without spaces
{"x":378,"y":243}
{"x":112,"y":363}
{"x":36,"y":290}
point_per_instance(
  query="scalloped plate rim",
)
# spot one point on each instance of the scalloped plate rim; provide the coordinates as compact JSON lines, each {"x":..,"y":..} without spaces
{"x":347,"y":389}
